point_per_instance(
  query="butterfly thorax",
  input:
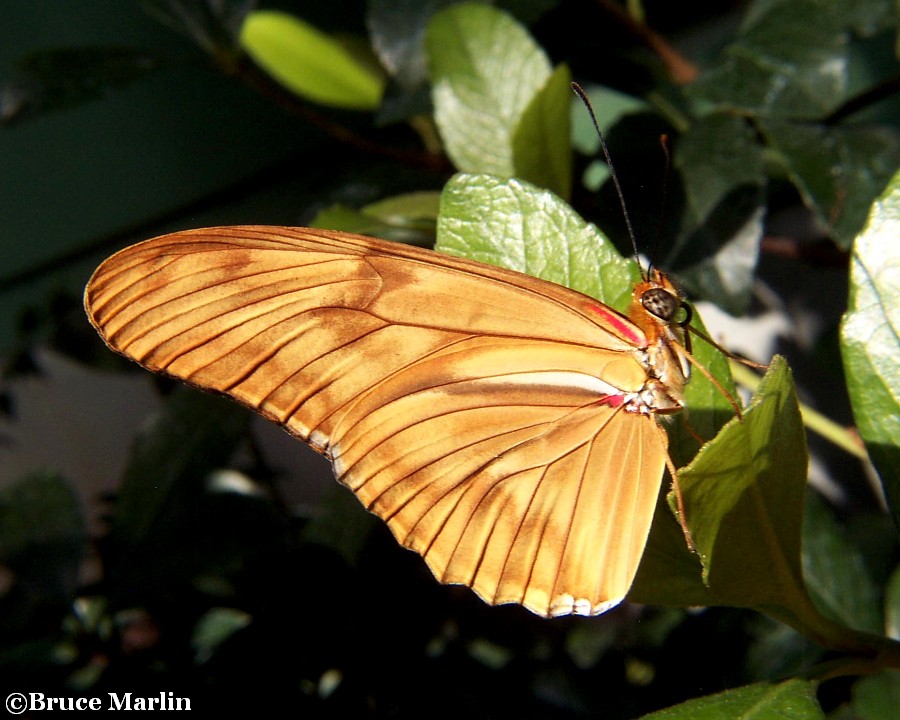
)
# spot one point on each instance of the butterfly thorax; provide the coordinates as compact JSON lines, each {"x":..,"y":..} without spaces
{"x":658,"y":309}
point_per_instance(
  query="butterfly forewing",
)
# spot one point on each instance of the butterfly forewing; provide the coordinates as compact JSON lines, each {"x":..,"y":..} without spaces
{"x":479,"y":411}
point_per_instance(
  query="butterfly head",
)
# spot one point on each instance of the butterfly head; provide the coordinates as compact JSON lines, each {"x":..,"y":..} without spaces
{"x":658,"y":300}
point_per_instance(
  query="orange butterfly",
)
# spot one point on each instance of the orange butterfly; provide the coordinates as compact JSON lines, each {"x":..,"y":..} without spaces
{"x":503,"y":426}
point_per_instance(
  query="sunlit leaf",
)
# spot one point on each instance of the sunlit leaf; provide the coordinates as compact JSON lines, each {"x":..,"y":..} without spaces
{"x":870,"y":340}
{"x":747,"y":530}
{"x":516,"y":225}
{"x":405,"y":218}
{"x":406,"y":209}
{"x":541,"y":151}
{"x":309,"y":62}
{"x":743,"y":496}
{"x":485,"y":70}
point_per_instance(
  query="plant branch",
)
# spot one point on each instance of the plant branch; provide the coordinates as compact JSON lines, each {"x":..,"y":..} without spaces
{"x":844,"y":438}
{"x":248,"y":73}
{"x":680,"y":69}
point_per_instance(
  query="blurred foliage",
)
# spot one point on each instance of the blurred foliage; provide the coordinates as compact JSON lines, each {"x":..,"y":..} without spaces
{"x":212,"y":587}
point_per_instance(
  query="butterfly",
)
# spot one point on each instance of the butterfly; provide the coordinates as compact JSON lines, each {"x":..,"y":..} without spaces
{"x":506,"y":428}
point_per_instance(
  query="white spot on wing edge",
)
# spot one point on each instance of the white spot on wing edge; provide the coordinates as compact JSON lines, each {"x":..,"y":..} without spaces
{"x":566,"y":604}
{"x":319,"y":442}
{"x":338,"y":466}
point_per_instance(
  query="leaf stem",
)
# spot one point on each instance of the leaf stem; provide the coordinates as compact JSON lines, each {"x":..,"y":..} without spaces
{"x":865,"y":653}
{"x":257,"y":80}
{"x":680,"y":70}
{"x":844,"y":438}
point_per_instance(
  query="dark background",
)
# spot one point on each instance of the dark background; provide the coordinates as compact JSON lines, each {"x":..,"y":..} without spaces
{"x":282,"y":593}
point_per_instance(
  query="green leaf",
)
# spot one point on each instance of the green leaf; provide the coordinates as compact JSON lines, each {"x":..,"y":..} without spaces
{"x":747,"y":527}
{"x":743,"y":497}
{"x":405,"y":218}
{"x":789,"y":60}
{"x":214,"y":27}
{"x":485,"y":71}
{"x":716,"y":155}
{"x":870,"y":340}
{"x":193,"y":434}
{"x":892,"y":606}
{"x":521,"y":227}
{"x":609,"y":106}
{"x":720,"y":162}
{"x":407,"y":209}
{"x":877,"y":697}
{"x":342,"y":524}
{"x":839,"y":171}
{"x":789,"y":700}
{"x":215,"y":627}
{"x":397,"y":29}
{"x":309,"y":62}
{"x":835,"y":572}
{"x":541,"y":151}
{"x":41,"y":524}
{"x":777,"y":650}
{"x":348,"y":219}
{"x":61,"y":78}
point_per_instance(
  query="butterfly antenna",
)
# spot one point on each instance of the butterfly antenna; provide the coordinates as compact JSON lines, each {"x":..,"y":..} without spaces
{"x":612,"y":172}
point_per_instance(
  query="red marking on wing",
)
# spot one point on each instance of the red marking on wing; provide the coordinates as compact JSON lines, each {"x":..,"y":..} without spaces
{"x":611,"y":400}
{"x":620,"y":324}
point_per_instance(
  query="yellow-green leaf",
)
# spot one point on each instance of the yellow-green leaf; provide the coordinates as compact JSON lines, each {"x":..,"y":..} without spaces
{"x":308,"y":62}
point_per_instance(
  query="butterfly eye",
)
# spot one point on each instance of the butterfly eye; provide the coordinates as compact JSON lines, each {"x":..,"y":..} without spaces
{"x":662,"y":303}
